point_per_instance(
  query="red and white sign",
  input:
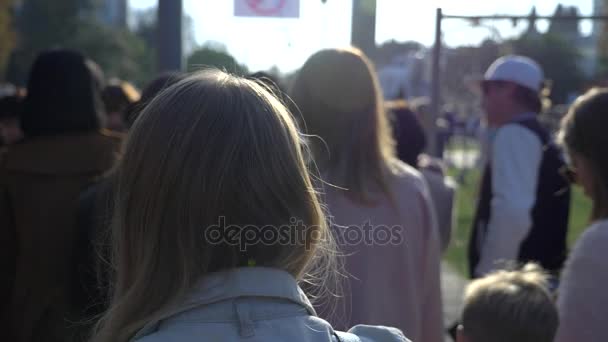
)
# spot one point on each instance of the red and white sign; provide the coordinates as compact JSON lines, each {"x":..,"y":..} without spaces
{"x":267,"y":8}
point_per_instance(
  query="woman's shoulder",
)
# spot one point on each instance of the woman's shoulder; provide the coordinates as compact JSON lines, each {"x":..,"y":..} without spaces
{"x":594,"y":239}
{"x":359,"y":333}
{"x":587,"y":260}
{"x":405,"y":178}
{"x":403,"y":171}
{"x":372,"y":333}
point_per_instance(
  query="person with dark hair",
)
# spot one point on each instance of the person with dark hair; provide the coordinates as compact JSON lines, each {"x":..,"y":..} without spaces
{"x":153,"y":88}
{"x":92,"y":274}
{"x":10,"y":126}
{"x":63,"y":151}
{"x":583,"y":300}
{"x":522,"y":212}
{"x":410,"y":139}
{"x":117,"y":97}
{"x":62,"y":96}
{"x":409,"y":133}
{"x":266,"y":79}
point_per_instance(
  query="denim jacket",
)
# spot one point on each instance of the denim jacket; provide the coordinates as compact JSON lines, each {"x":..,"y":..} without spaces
{"x":253,"y":304}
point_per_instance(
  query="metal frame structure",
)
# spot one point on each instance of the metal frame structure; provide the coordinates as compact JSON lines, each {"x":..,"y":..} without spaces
{"x":436,"y":72}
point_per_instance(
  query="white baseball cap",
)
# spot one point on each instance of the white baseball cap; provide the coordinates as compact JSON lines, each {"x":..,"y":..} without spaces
{"x":516,"y":69}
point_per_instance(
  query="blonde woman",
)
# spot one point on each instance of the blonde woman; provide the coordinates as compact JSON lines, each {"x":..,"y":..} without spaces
{"x":216,"y":222}
{"x":380,"y":208}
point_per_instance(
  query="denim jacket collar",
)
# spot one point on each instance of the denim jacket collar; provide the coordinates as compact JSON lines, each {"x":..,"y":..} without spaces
{"x":238,"y":283}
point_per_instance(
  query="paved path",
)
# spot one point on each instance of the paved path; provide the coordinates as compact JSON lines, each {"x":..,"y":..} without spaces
{"x":462,"y":159}
{"x":452,"y":288}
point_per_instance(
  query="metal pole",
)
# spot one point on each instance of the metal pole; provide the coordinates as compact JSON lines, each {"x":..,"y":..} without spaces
{"x":169,"y":35}
{"x":363,"y":31}
{"x":435,"y":87}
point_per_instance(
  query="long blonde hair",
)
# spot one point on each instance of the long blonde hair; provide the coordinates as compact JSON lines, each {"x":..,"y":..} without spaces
{"x":212,"y":146}
{"x":338,"y":95}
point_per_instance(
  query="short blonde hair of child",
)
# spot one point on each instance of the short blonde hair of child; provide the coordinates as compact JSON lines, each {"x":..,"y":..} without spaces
{"x":510,"y":305}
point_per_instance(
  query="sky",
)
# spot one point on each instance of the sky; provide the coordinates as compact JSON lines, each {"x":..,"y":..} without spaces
{"x":262,"y":43}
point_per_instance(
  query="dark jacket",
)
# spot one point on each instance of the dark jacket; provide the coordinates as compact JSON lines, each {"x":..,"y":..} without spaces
{"x":92,"y":275}
{"x":40,"y":181}
{"x":546,"y":242}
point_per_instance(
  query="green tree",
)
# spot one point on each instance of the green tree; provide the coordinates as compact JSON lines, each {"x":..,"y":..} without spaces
{"x":145,"y":28}
{"x":209,"y":57}
{"x":120,"y":53}
{"x":558,"y":59}
{"x":465,"y":63}
{"x":7,"y":35}
{"x":44,"y":24}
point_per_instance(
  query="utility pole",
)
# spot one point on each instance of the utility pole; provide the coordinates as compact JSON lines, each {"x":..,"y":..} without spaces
{"x":435,"y":88}
{"x":363,"y":33}
{"x":169,"y":35}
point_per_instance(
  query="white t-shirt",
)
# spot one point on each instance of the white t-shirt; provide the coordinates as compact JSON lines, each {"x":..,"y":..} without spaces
{"x":515,"y":156}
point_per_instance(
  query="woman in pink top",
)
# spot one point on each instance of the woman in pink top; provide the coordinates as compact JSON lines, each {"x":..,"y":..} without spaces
{"x":380,"y":208}
{"x":583,"y":295}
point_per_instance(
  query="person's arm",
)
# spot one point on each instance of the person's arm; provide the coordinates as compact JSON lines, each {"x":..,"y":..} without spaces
{"x":582,"y":297}
{"x":516,"y":157}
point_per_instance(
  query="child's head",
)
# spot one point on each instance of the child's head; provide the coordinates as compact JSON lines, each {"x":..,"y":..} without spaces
{"x":509,"y":306}
{"x":213,"y":177}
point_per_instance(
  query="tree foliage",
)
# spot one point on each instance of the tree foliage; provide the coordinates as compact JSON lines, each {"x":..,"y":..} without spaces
{"x":43,"y":24}
{"x":207,"y":56}
{"x":559,"y":61}
{"x":7,"y":35}
{"x":463,"y":64}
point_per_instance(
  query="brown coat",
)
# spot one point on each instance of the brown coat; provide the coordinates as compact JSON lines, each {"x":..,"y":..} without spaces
{"x":40,"y":181}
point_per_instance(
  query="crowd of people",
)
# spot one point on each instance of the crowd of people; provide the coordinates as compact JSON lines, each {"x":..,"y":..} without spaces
{"x":224,"y":208}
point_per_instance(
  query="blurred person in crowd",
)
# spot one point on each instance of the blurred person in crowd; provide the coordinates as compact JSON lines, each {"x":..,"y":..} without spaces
{"x":411,"y":143}
{"x":272,"y":83}
{"x":195,"y":146}
{"x":508,"y":306}
{"x":408,"y":131}
{"x":381,"y":210}
{"x":152,"y":89}
{"x":63,"y":151}
{"x":117,"y":97}
{"x":522,"y":211}
{"x":10,"y":125}
{"x":582,"y":298}
{"x":92,"y":252}
{"x":267,"y":79}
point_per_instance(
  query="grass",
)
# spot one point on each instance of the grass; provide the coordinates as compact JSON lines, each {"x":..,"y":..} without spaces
{"x":466,"y":199}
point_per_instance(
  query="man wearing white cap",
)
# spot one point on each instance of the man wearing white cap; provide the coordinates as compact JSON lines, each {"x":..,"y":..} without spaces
{"x":522,"y":211}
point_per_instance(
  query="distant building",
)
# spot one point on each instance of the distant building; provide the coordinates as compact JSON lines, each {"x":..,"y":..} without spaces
{"x":113,"y":12}
{"x":405,"y":76}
